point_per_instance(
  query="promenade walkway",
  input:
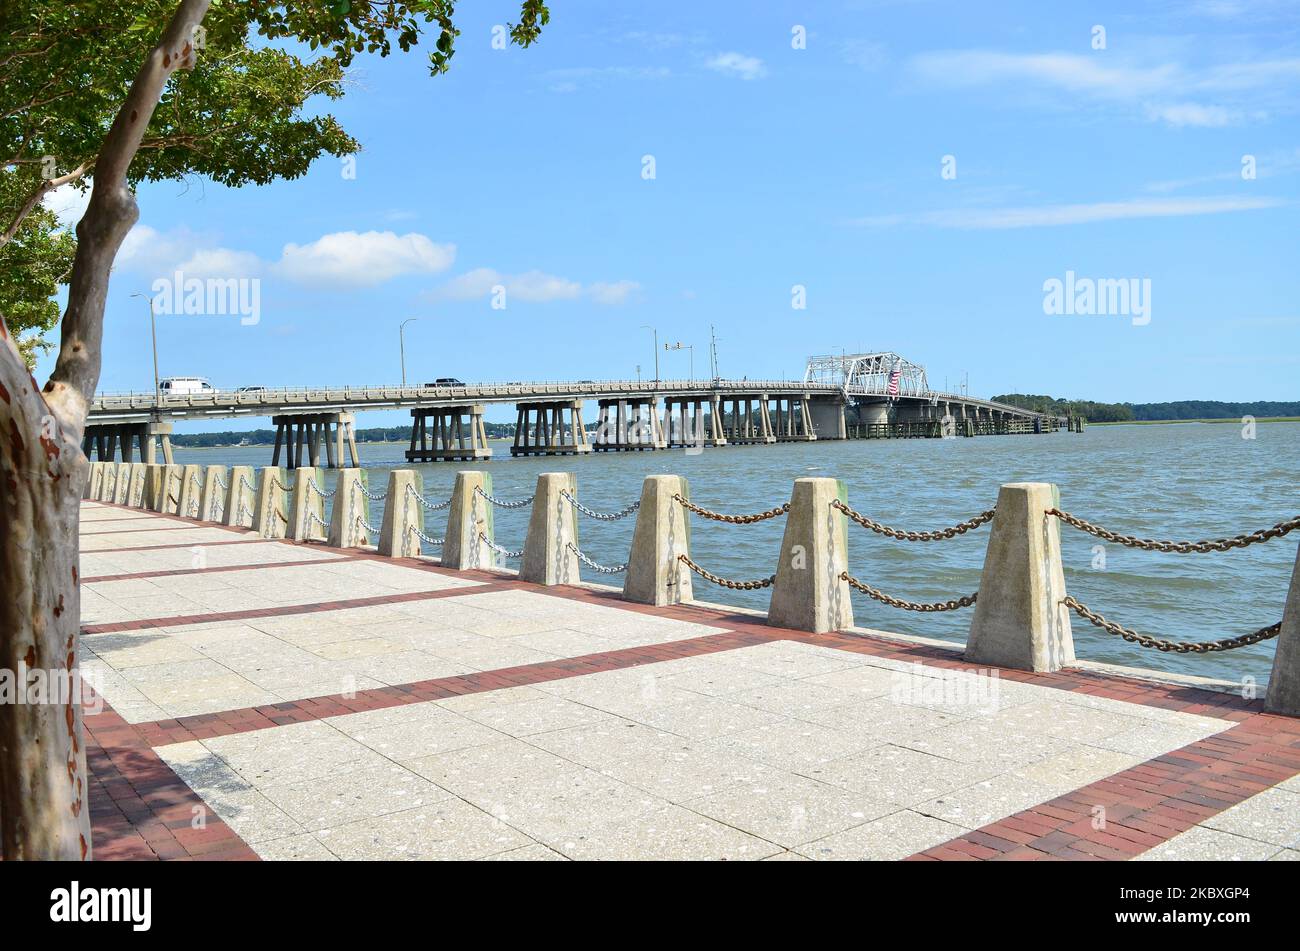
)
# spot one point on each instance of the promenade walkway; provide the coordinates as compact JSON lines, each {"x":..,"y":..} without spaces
{"x":275,"y":700}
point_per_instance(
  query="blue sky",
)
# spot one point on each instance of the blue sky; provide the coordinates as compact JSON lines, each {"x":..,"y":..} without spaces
{"x":773,"y":167}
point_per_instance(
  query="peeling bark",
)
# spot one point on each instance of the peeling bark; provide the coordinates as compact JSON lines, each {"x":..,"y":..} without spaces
{"x":43,"y":780}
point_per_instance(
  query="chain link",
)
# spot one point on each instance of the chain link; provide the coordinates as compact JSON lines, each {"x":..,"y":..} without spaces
{"x":951,"y":532}
{"x":245,"y":510}
{"x":603,"y":569}
{"x":366,"y":525}
{"x":431,"y":506}
{"x":1181,"y":548}
{"x":731,"y":519}
{"x":1176,"y":647}
{"x":601,"y":516}
{"x":926,"y":607}
{"x":436,"y":542}
{"x":733,"y":585}
{"x":498,"y":549}
{"x":222,"y":482}
{"x":375,"y":497}
{"x":246,"y":484}
{"x":312,"y":520}
{"x":311,"y":483}
{"x":478,"y":490}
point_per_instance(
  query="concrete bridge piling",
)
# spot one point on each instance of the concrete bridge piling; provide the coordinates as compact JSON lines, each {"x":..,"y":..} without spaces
{"x":551,"y":428}
{"x":302,"y":436}
{"x":448,"y":433}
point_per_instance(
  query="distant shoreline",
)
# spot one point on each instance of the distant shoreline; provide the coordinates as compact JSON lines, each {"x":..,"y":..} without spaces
{"x":1224,"y":419}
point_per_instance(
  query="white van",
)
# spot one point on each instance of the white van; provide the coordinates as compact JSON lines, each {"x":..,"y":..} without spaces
{"x":185,"y":385}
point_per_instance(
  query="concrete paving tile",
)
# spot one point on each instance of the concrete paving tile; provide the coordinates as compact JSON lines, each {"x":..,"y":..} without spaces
{"x":702,"y":718}
{"x":795,"y":744}
{"x":1202,"y":844}
{"x":668,"y":834}
{"x":899,"y":775}
{"x":295,"y":848}
{"x":888,"y":838}
{"x":340,"y":798}
{"x":536,"y":716}
{"x":788,"y":809}
{"x":1077,"y":767}
{"x":608,"y":741}
{"x":1286,"y":855}
{"x":407,"y":667}
{"x":491,"y":698}
{"x":882,"y":719}
{"x":791,"y":659}
{"x":529,"y":853}
{"x":299,"y":751}
{"x":440,"y":731}
{"x":447,"y":829}
{"x":988,"y":801}
{"x":1271,"y":816}
{"x":981,"y":741}
{"x":687,"y":773}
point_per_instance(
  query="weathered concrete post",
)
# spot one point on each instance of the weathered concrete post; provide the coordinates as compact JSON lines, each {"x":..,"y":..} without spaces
{"x":239,"y":497}
{"x":655,"y":575}
{"x":470,"y":516}
{"x":403,"y":515}
{"x":271,"y":518}
{"x":135,"y":496}
{"x":94,"y":482}
{"x":552,"y":528}
{"x":306,"y":506}
{"x":1284,"y":682}
{"x":213,"y":501}
{"x":190,"y":505}
{"x":1019,"y":619}
{"x":351,"y":507}
{"x":122,"y":483}
{"x":809,"y":593}
{"x":155,"y":486}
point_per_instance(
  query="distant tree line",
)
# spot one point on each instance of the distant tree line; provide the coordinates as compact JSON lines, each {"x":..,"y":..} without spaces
{"x":1128,"y":412}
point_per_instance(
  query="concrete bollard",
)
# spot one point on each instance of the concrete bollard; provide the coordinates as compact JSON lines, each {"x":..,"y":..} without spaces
{"x":190,"y":505}
{"x":469,"y":517}
{"x":154,"y":486}
{"x":121,"y":483}
{"x":94,"y":481}
{"x":240,"y":498}
{"x":1019,"y":619}
{"x":103,"y":487}
{"x":307,"y":506}
{"x":403,"y":514}
{"x":169,"y":500}
{"x":809,"y":593}
{"x":212,"y":503}
{"x":552,"y":528}
{"x":1284,"y":682}
{"x":271,"y":517}
{"x":351,"y":507}
{"x":135,"y":493}
{"x":655,"y":575}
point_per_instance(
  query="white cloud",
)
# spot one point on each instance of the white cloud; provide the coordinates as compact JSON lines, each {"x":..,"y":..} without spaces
{"x":737,"y":65}
{"x":1055,"y":215}
{"x":533,"y":286}
{"x":364,"y":259}
{"x":68,"y":203}
{"x":1165,"y":92}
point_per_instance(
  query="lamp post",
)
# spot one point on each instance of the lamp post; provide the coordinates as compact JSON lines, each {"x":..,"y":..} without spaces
{"x":153,"y":331}
{"x":655,"y":331}
{"x":401,"y":340}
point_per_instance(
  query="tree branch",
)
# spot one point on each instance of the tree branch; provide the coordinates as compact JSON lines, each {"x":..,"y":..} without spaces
{"x":109,"y":216}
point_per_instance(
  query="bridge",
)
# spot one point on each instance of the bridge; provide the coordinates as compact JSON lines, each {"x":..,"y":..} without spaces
{"x":876,"y":395}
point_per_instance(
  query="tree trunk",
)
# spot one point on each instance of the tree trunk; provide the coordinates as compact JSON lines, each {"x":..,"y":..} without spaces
{"x":43,"y":779}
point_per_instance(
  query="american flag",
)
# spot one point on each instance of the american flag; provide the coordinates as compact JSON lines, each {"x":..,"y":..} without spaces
{"x":894,"y":376}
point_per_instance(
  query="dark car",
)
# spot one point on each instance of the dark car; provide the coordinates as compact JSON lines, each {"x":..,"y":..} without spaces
{"x":446,"y":381}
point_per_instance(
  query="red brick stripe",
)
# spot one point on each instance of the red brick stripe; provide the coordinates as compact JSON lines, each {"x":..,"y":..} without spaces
{"x":236,"y":541}
{"x":206,"y":726}
{"x":168,"y":573}
{"x":140,"y":808}
{"x":1144,"y":805}
{"x":286,"y":610}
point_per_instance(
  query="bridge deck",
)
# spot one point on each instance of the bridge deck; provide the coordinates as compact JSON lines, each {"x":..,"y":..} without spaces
{"x":320,"y":703}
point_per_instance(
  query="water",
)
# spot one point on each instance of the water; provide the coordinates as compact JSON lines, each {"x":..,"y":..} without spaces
{"x":1187,"y":481}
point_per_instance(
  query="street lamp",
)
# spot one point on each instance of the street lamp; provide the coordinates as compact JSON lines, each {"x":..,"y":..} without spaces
{"x":655,"y":331}
{"x":401,"y":340}
{"x":153,"y":330}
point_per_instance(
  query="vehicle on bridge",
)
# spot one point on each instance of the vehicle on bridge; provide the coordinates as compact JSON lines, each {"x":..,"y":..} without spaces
{"x":446,"y":381}
{"x":178,"y":385}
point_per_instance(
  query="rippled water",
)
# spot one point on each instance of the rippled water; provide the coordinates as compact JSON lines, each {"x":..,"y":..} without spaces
{"x":1186,"y":481}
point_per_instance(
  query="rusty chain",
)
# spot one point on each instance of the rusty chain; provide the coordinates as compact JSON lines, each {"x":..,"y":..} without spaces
{"x":1181,"y":548}
{"x":1176,"y":647}
{"x":928,"y":608}
{"x":723,"y":582}
{"x":731,"y":519}
{"x":951,"y":532}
